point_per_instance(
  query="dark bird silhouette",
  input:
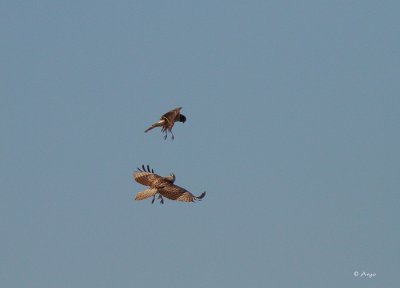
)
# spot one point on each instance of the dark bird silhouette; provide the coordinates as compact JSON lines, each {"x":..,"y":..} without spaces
{"x":161,"y":187}
{"x":167,"y":121}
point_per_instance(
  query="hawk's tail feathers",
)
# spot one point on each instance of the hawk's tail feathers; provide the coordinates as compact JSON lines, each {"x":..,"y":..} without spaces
{"x":157,"y":124}
{"x":151,"y":127}
{"x":145,"y":194}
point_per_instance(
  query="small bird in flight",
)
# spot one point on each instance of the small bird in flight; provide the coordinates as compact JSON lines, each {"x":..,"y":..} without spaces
{"x":161,"y":187}
{"x":168,"y":120}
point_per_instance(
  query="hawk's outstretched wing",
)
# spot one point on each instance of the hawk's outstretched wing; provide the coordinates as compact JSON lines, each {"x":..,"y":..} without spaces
{"x":174,"y":192}
{"x":148,"y":177}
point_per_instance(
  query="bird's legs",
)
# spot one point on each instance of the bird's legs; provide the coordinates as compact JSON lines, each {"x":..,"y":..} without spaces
{"x":159,"y":197}
{"x":166,"y":130}
{"x":166,"y":134}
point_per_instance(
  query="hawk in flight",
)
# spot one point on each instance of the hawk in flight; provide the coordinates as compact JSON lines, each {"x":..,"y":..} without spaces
{"x":161,"y":187}
{"x":168,"y":120}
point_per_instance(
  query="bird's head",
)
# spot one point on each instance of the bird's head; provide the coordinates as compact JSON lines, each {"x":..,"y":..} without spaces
{"x":182,"y":118}
{"x":171,"y":178}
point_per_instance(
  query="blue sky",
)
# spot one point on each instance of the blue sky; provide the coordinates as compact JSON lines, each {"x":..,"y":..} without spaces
{"x":292,"y":129}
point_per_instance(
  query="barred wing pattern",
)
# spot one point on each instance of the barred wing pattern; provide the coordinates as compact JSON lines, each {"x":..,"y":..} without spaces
{"x":148,"y":177}
{"x":161,"y":186}
{"x":174,"y":192}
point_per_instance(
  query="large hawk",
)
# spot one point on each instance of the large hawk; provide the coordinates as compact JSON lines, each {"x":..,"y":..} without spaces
{"x":161,"y":186}
{"x":167,"y":121}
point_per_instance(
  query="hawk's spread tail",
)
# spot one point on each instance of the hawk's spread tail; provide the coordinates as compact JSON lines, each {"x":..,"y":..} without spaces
{"x":145,"y":194}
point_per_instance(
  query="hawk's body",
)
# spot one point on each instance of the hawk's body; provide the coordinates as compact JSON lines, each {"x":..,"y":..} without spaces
{"x":163,"y":186}
{"x":167,"y":121}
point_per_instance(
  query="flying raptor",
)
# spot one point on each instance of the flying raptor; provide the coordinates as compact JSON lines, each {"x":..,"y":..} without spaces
{"x":161,"y":187}
{"x":167,"y":121}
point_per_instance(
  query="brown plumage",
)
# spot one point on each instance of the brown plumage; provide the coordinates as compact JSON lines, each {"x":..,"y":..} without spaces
{"x":161,"y":186}
{"x":167,"y":121}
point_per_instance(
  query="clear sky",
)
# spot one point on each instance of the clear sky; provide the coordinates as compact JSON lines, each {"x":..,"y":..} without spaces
{"x":293,"y":120}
